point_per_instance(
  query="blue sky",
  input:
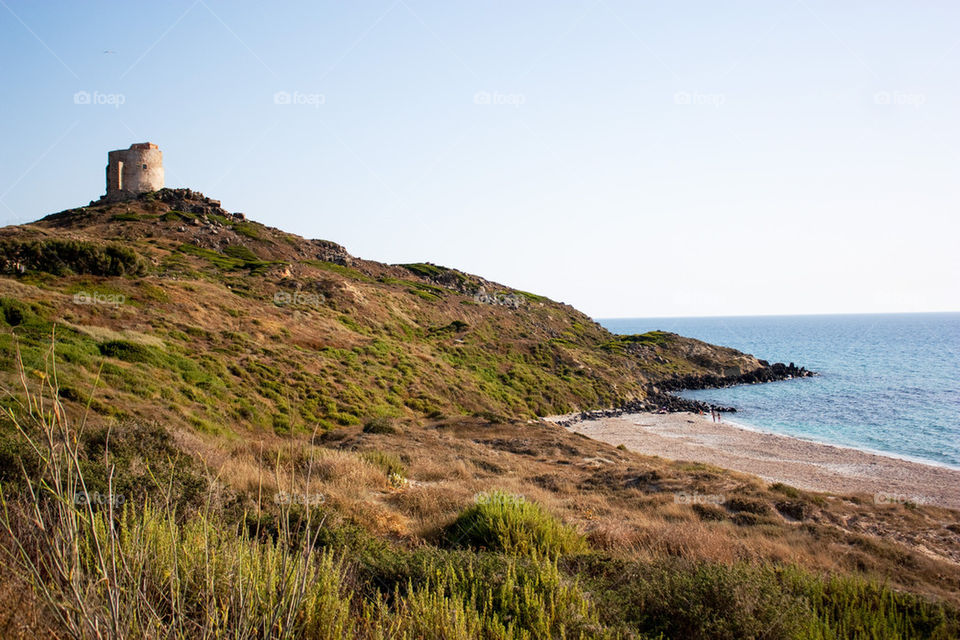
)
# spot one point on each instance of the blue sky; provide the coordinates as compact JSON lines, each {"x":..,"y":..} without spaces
{"x":631,"y":159}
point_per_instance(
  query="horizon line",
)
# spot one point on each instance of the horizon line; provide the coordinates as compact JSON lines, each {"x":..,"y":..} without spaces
{"x":781,"y":315}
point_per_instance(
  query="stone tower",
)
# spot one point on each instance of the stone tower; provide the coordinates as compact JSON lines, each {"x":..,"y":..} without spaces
{"x":138,"y":169}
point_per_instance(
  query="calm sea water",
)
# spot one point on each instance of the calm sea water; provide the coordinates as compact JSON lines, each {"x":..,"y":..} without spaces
{"x":887,"y":383}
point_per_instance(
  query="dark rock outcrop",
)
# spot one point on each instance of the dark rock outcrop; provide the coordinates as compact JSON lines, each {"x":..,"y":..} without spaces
{"x":659,"y":398}
{"x":189,"y":201}
{"x":766,"y":373}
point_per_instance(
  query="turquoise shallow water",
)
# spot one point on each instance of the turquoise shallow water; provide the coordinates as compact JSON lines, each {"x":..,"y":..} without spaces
{"x":887,"y":383}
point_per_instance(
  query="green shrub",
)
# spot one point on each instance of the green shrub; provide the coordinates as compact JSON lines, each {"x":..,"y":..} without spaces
{"x":785,"y":489}
{"x":390,"y":464}
{"x":234,"y":257}
{"x":179,"y":216}
{"x":695,"y":601}
{"x":15,"y":312}
{"x":491,"y":416}
{"x":247,"y":229}
{"x":340,"y":269}
{"x":532,"y":297}
{"x":426,"y":270}
{"x":454,"y":327}
{"x":500,"y":521}
{"x":748,"y":505}
{"x":709,"y":512}
{"x":381,"y":425}
{"x":521,"y":599}
{"x":462,"y":595}
{"x":796,"y":509}
{"x":64,"y":257}
{"x":241,"y":252}
{"x":713,"y":601}
{"x":659,"y":338}
{"x":145,"y":463}
{"x":16,"y":456}
{"x":745,"y":519}
{"x":678,"y":598}
{"x":131,"y":352}
{"x":849,"y":607}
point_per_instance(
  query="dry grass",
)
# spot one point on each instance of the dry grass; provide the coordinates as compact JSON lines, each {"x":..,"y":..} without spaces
{"x":626,"y":503}
{"x":21,"y":611}
{"x":623,"y":502}
{"x":104,"y":334}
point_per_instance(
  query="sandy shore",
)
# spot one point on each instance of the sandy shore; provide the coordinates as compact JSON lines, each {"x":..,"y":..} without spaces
{"x":776,"y":458}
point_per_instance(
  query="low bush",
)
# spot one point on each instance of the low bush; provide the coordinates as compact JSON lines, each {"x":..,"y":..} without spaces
{"x":748,"y":505}
{"x":463,"y":598}
{"x":381,"y":425}
{"x":390,"y":464}
{"x":65,"y":257}
{"x":131,"y":352}
{"x":499,"y":521}
{"x":241,"y":253}
{"x":850,"y":607}
{"x":785,"y":489}
{"x":15,"y":312}
{"x":796,"y":509}
{"x":678,"y":598}
{"x":710,"y":512}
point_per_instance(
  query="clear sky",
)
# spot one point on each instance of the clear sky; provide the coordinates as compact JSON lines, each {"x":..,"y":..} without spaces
{"x":629,"y":158}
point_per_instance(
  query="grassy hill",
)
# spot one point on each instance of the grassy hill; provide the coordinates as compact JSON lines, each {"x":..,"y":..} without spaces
{"x":244,"y":433}
{"x":199,"y":316}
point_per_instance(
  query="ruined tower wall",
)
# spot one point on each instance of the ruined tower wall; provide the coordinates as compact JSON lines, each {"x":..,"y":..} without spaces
{"x":138,"y":169}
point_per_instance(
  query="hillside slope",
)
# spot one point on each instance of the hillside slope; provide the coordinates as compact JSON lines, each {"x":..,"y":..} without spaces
{"x":201,"y":316}
{"x":243,"y":380}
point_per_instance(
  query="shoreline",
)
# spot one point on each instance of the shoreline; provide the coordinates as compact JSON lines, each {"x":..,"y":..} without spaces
{"x":805,"y":464}
{"x":874,"y":452}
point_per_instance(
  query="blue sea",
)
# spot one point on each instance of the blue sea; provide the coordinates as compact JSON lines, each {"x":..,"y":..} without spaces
{"x":888,"y":383}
